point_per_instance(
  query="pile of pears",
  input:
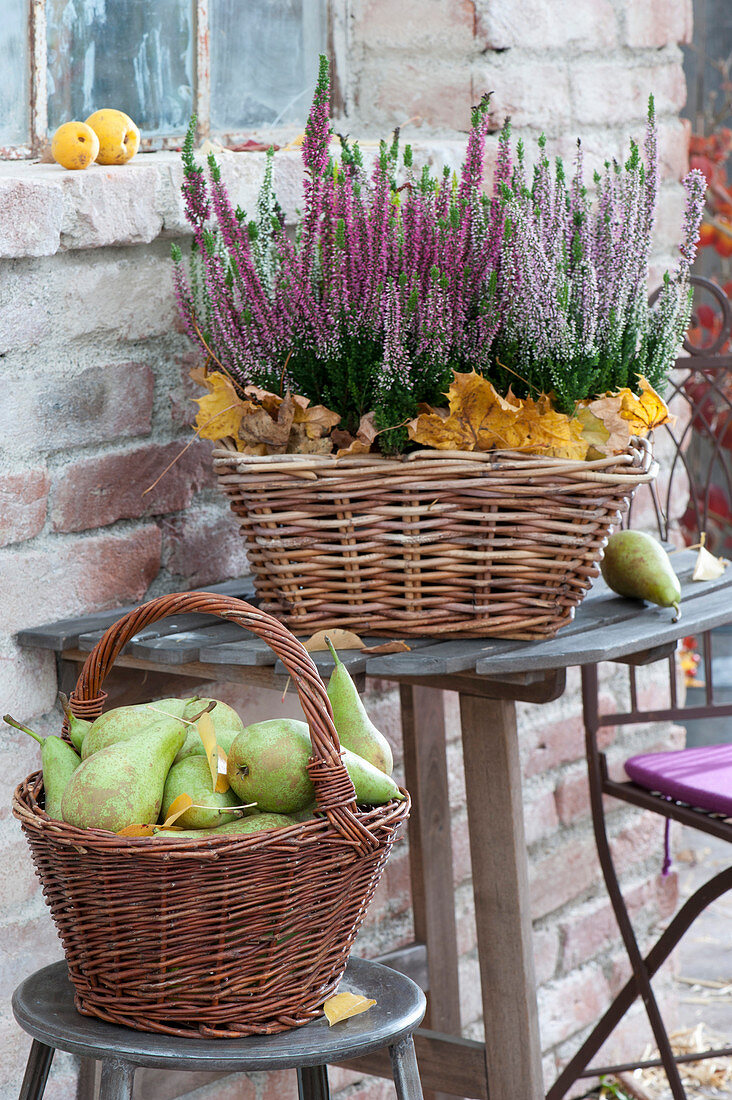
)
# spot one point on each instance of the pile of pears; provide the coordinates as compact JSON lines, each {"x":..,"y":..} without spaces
{"x":125,"y":770}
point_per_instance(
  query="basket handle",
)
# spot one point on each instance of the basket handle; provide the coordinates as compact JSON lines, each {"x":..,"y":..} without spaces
{"x":334,"y":790}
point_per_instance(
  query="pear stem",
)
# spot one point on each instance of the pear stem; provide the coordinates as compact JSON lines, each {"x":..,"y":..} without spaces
{"x":677,"y":609}
{"x":187,"y":721}
{"x":331,"y":647}
{"x":19,"y":726}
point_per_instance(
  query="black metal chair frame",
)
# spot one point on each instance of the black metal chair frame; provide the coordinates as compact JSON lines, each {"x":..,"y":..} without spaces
{"x":706,"y":370}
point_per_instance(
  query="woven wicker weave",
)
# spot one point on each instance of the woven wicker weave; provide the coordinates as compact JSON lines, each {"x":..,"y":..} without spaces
{"x":497,"y":544}
{"x":223,"y":936}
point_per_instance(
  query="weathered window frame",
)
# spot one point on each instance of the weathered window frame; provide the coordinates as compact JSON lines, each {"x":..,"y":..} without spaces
{"x":335,"y":20}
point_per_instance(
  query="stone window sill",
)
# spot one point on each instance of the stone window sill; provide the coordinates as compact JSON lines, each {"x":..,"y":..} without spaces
{"x":45,"y":209}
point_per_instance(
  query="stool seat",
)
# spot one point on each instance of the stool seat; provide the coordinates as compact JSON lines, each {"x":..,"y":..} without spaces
{"x":43,"y":1005}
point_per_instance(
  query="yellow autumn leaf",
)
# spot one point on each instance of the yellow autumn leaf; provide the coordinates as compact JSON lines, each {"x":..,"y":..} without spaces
{"x":549,"y":432}
{"x":207,"y":733}
{"x":707,"y":567}
{"x":645,"y":412}
{"x":344,"y":1005}
{"x":220,"y":410}
{"x":177,"y":807}
{"x":478,"y":418}
{"x":340,"y":639}
{"x":604,"y":429}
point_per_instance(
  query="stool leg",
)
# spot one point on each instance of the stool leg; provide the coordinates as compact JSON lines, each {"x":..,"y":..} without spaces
{"x":405,"y":1070}
{"x":312,"y":1083}
{"x":36,"y":1071}
{"x":117,"y":1079}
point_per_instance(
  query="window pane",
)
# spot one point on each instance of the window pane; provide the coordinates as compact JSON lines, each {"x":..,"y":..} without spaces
{"x":134,"y":55}
{"x":15,"y":82}
{"x":264,"y":61}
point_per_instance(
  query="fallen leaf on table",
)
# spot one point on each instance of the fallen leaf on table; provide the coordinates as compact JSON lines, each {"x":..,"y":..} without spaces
{"x":387,"y":647}
{"x":344,"y":1005}
{"x":707,"y":567}
{"x":340,"y":639}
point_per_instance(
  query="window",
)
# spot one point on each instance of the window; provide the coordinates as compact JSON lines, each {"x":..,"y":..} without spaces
{"x":239,"y":64}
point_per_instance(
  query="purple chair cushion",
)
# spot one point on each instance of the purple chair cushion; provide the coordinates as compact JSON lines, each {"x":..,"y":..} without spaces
{"x":700,"y":776}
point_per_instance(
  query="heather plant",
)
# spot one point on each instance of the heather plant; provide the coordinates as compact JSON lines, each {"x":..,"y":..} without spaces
{"x":387,"y":288}
{"x":395,"y":280}
{"x":575,"y":318}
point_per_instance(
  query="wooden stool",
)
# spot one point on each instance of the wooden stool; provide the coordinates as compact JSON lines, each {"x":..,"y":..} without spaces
{"x":44,"y":1007}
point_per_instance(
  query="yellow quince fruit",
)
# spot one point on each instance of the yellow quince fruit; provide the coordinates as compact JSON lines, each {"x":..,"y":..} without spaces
{"x":119,"y":138}
{"x":74,"y":145}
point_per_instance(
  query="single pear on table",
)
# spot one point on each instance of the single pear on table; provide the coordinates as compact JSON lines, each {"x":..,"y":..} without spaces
{"x":636,"y":565}
{"x":355,"y":729}
{"x":268,"y":762}
{"x":123,"y":784}
{"x":122,"y":723}
{"x":59,"y":762}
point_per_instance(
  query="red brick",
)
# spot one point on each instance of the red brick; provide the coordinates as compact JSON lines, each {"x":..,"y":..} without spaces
{"x":540,"y":816}
{"x":437,"y":93}
{"x":573,"y":797}
{"x":554,"y":743}
{"x":94,"y":406}
{"x":74,"y":576}
{"x":23,"y":498}
{"x":571,"y":1003}
{"x":563,"y":875}
{"x":436,"y":25}
{"x":534,"y":24}
{"x":637,"y":842}
{"x":180,"y":396}
{"x":27,"y":945}
{"x":656,"y":23}
{"x":204,"y":546}
{"x":27,"y":681}
{"x":95,"y":492}
{"x":546,"y":953}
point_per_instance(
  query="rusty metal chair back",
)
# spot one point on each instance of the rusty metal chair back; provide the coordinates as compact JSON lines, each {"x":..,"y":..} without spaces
{"x":692,"y":495}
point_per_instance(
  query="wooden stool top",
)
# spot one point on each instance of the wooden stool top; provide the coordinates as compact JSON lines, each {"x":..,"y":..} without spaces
{"x":43,"y":1005}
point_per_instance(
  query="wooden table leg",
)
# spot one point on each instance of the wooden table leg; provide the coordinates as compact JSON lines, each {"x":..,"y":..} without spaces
{"x":430,"y":852}
{"x":501,"y":891}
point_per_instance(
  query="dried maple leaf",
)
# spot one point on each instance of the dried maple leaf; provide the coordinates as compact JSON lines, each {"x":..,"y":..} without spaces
{"x":220,"y":410}
{"x":645,"y":412}
{"x":478,"y":418}
{"x":360,"y":443}
{"x":604,"y":429}
{"x":262,"y":432}
{"x":316,"y":419}
{"x":549,"y":432}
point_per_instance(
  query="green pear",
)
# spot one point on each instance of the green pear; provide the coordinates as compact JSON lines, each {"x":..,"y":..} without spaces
{"x":123,"y":784}
{"x":257,"y":823}
{"x":58,"y":760}
{"x":635,"y":564}
{"x":122,"y":723}
{"x":268,"y":765}
{"x":227,"y":725}
{"x":77,"y":727}
{"x":193,"y":776}
{"x":355,"y":729}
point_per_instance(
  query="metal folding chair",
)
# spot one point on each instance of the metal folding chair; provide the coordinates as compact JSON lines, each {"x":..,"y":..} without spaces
{"x":698,"y":451}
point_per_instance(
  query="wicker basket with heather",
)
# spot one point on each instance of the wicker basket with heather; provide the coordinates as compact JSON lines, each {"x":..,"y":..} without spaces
{"x":431,"y":403}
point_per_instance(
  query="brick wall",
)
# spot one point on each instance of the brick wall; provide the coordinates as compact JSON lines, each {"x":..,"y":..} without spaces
{"x":96,"y":403}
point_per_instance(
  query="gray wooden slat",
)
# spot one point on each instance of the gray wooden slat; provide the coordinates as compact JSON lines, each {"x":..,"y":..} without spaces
{"x":65,"y":633}
{"x":354,"y":659}
{"x":248,"y":651}
{"x":178,"y":648}
{"x":632,"y":634}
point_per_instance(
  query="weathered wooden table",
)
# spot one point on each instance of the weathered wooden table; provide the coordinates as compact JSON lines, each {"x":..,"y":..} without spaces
{"x":490,"y":676}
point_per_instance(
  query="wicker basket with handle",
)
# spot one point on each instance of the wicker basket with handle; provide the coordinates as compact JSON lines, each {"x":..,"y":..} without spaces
{"x":437,"y":543}
{"x":218,"y":936}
